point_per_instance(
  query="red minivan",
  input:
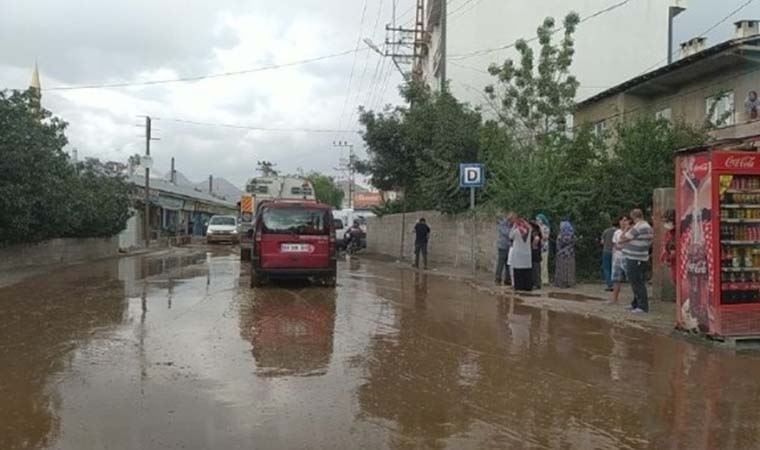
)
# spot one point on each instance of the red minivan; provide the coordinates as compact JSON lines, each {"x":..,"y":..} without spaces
{"x":294,"y":240}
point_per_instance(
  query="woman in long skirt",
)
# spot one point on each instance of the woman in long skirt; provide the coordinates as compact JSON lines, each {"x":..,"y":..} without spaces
{"x":522,"y":265}
{"x":543,"y":223}
{"x":564,"y":274}
{"x":536,"y":253}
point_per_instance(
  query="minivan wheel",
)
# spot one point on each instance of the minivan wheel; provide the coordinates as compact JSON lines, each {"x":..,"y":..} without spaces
{"x":330,"y":280}
{"x":258,"y":279}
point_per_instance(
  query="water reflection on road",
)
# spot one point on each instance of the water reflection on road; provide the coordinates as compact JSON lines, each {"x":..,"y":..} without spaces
{"x":176,"y":351}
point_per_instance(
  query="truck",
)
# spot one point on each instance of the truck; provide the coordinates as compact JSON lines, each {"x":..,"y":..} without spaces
{"x":260,"y":190}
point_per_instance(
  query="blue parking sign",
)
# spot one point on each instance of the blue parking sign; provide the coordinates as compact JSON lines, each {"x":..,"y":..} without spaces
{"x":471,"y":175}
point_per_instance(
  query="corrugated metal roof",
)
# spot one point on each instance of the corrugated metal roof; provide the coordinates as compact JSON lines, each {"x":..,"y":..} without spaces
{"x":681,"y":63}
{"x":189,"y":192}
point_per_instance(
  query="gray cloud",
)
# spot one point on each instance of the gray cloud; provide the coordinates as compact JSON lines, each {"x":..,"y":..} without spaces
{"x":89,"y":42}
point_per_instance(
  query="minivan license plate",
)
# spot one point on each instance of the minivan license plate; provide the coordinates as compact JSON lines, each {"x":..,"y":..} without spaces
{"x":294,"y":248}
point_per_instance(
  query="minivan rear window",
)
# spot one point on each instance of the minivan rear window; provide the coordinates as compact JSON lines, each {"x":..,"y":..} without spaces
{"x":295,"y":220}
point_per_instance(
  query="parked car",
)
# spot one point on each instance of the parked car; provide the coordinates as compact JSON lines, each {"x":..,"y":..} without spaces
{"x":222,"y":229}
{"x":294,"y":240}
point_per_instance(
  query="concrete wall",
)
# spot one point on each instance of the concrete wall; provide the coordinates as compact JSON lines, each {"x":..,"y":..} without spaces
{"x":451,"y":238}
{"x":131,"y":236}
{"x":57,"y":251}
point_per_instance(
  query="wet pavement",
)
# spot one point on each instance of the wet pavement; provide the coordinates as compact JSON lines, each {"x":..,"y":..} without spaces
{"x":176,"y":352}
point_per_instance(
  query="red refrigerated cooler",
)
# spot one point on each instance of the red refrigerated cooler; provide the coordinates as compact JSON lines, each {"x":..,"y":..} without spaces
{"x":718,"y":247}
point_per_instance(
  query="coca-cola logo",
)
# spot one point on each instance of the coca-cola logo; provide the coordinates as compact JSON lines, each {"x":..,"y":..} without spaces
{"x":740,"y":162}
{"x":697,"y":268}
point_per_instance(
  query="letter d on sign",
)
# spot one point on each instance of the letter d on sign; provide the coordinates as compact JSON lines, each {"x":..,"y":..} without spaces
{"x":471,"y":175}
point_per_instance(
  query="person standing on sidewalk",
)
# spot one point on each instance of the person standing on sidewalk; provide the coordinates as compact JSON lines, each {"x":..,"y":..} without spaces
{"x":536,"y":253}
{"x":606,"y":242}
{"x":618,"y":260}
{"x":503,"y":244}
{"x":564,"y":272}
{"x":520,"y":257}
{"x":636,"y":244}
{"x":543,"y":222}
{"x":422,"y":233}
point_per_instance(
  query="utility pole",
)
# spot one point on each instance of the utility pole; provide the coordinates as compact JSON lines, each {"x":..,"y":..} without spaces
{"x":442,"y":62}
{"x":146,"y":218}
{"x":673,"y":11}
{"x":350,"y":166}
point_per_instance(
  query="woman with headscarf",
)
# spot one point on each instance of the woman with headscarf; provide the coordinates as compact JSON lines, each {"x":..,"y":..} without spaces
{"x":520,"y":253}
{"x":564,"y":275}
{"x":543,"y":223}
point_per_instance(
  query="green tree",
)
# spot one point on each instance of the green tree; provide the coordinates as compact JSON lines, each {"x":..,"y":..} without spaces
{"x":537,"y":164}
{"x":35,"y":173}
{"x":42,"y":195}
{"x":326,"y":189}
{"x":100,"y":200}
{"x":417,"y":148}
{"x":536,"y":99}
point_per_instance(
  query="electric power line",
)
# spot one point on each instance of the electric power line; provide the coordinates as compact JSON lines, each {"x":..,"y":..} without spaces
{"x":203,"y":77}
{"x":366,"y":63}
{"x":407,"y":10}
{"x":459,"y":9}
{"x":353,"y":65}
{"x":485,"y":72}
{"x":535,"y":38}
{"x":255,"y":128}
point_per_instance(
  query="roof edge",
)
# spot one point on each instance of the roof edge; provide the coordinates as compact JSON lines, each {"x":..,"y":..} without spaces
{"x":683,"y":62}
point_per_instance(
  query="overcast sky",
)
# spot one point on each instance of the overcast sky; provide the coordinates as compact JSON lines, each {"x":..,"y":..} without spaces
{"x":81,"y":42}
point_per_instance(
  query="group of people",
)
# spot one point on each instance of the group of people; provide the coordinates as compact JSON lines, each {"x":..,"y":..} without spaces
{"x":625,"y":256}
{"x":522,"y":248}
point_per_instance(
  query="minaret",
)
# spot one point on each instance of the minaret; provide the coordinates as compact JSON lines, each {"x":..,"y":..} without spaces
{"x":35,"y":88}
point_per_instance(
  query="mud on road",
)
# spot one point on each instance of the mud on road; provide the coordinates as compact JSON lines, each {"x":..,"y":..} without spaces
{"x":177,"y":352}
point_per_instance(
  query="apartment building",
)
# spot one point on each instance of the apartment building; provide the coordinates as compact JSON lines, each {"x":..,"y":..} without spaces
{"x":718,"y":84}
{"x":611,"y":46}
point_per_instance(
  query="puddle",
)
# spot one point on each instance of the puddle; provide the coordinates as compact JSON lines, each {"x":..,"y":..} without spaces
{"x":573,"y":297}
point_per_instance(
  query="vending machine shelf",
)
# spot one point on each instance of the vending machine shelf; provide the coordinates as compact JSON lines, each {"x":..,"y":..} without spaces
{"x":740,"y":220}
{"x":734,"y":242}
{"x":739,"y":205}
{"x":740,"y":269}
{"x":743,"y":191}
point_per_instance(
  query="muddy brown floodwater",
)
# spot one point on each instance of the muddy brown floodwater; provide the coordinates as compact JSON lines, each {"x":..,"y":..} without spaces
{"x":176,"y":352}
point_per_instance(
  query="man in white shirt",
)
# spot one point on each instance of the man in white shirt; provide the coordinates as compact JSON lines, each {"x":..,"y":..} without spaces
{"x":636,"y":243}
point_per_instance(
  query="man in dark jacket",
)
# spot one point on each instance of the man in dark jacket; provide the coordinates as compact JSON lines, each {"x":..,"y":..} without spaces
{"x":422,"y":232}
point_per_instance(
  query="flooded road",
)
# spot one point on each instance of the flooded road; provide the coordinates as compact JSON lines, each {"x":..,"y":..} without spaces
{"x":176,"y":352}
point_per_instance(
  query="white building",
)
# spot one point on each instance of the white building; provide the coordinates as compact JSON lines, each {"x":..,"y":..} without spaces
{"x":622,"y":41}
